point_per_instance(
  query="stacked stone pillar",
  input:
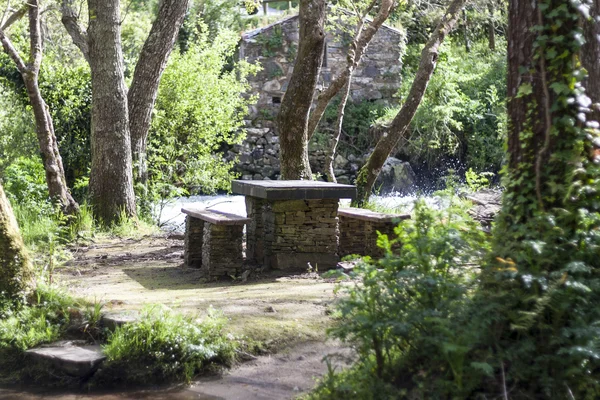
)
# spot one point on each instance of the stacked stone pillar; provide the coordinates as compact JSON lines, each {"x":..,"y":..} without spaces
{"x":214,"y":242}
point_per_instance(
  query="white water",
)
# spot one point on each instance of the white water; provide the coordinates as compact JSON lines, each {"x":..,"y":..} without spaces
{"x":173,"y":219}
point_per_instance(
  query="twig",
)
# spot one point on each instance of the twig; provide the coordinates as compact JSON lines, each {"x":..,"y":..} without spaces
{"x":505,"y":393}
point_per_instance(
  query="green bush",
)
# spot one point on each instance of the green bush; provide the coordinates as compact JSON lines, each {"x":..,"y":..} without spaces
{"x":405,"y":301}
{"x":27,"y":324}
{"x":463,"y":112}
{"x":193,"y":121}
{"x":164,"y":347}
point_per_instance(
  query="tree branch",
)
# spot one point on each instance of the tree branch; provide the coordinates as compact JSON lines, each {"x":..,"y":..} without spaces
{"x":70,"y":20}
{"x":361,"y":41}
{"x":14,"y":17}
{"x":35,"y":37}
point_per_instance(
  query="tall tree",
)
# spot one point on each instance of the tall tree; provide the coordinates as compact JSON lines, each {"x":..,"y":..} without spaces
{"x":29,"y":70}
{"x":542,"y":278}
{"x":142,"y":92}
{"x":111,"y":176}
{"x":590,"y":56}
{"x":16,"y":274}
{"x":429,"y":56}
{"x":292,"y":120}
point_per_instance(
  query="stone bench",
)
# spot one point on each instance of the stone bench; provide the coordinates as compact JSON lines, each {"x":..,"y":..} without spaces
{"x":358,"y":230}
{"x":213,"y":241}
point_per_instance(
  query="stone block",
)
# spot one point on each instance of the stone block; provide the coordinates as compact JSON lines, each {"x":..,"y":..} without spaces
{"x":79,"y":361}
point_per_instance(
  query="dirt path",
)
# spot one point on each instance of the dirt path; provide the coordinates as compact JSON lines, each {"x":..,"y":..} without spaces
{"x":288,"y":314}
{"x":280,"y":376}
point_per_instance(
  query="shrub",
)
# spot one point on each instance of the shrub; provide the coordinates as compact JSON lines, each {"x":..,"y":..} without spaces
{"x":463,"y":112}
{"x":405,"y":301}
{"x":164,"y":346}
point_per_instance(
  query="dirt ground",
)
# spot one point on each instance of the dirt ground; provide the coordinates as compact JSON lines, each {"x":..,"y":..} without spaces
{"x":289,"y":314}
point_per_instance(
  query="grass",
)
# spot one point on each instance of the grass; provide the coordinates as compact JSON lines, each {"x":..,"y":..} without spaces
{"x":165,"y":346}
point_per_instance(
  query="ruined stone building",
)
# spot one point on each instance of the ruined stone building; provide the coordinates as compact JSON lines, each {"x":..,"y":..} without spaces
{"x":377,"y":79}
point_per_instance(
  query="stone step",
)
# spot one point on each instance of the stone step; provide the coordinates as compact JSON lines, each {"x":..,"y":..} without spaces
{"x":69,"y":357}
{"x":112,"y":319}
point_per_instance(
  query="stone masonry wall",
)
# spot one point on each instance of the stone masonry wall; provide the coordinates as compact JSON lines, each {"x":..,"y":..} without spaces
{"x":222,"y":251}
{"x":295,"y":233}
{"x":360,"y":237}
{"x":377,"y":78}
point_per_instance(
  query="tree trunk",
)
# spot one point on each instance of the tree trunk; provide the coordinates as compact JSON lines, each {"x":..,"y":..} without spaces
{"x":370,"y":171}
{"x":358,"y":48}
{"x":590,"y":58}
{"x":491,"y":28}
{"x":16,"y":273}
{"x":55,"y":174}
{"x":111,"y":178}
{"x":148,"y":70}
{"x":295,"y":106}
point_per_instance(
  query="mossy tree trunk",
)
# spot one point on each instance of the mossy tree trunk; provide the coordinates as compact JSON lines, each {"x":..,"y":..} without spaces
{"x":292,"y":121}
{"x":429,"y":56}
{"x":16,"y":274}
{"x":590,"y":57}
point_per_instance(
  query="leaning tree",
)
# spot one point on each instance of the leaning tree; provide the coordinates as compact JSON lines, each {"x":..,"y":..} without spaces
{"x":30,"y":70}
{"x":399,"y":127}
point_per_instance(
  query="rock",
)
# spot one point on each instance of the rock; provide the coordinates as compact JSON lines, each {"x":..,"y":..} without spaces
{"x":343,"y":179}
{"x":339,"y":162}
{"x":79,"y":361}
{"x":270,"y":309}
{"x":111,"y":320}
{"x":487,"y":204}
{"x":395,"y":176}
{"x":272,"y":86}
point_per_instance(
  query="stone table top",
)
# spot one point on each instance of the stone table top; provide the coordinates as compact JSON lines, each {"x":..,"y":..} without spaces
{"x":293,"y":190}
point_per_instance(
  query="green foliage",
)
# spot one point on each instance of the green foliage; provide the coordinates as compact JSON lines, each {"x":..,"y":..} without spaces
{"x":271,"y":42}
{"x":24,"y":325}
{"x":67,"y":90}
{"x":463,"y":112}
{"x":405,"y":300}
{"x":164,"y":346}
{"x":17,"y":130}
{"x":358,"y":118}
{"x":193,"y":121}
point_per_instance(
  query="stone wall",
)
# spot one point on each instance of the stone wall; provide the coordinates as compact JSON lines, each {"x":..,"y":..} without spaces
{"x":377,"y":78}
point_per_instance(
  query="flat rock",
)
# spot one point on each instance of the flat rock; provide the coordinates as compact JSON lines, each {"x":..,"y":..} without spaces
{"x":113,"y":319}
{"x":80,"y":361}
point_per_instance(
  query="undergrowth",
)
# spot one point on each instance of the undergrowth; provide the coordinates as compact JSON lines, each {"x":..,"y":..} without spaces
{"x":165,"y":347}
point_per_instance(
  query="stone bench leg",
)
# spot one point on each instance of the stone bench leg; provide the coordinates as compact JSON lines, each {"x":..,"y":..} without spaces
{"x":385,"y":228}
{"x":222,"y":249}
{"x":194,"y":235}
{"x":352,"y":236}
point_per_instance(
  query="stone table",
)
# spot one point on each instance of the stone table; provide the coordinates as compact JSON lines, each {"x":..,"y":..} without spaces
{"x":293,"y":223}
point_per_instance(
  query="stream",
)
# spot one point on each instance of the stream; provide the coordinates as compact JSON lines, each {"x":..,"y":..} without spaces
{"x":172,"y":219}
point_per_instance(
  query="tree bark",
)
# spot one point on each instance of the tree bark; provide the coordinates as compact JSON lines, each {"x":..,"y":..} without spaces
{"x":16,"y":273}
{"x":148,"y":70}
{"x":111,"y":178}
{"x":295,"y":106}
{"x":370,"y":171}
{"x":491,"y":28}
{"x":51,"y":159}
{"x":359,"y":46}
{"x":590,"y":58}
